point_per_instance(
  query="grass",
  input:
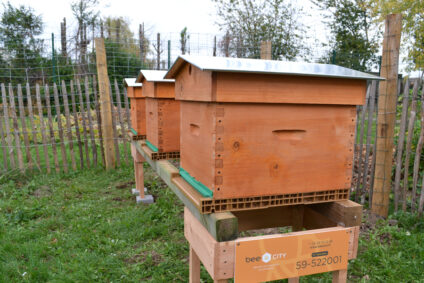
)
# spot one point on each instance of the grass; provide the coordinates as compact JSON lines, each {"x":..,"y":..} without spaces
{"x":85,"y":227}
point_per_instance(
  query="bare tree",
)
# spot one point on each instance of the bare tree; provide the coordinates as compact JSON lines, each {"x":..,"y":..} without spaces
{"x":184,"y":37}
{"x":159,"y":50}
{"x":250,"y":22}
{"x":63,"y":38}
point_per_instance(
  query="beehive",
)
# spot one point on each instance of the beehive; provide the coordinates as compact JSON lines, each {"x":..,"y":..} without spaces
{"x":138,"y":106}
{"x":162,"y":112}
{"x":254,"y":128}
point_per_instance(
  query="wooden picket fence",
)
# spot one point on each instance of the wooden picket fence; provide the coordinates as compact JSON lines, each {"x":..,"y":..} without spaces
{"x":408,"y":173}
{"x":58,"y":127}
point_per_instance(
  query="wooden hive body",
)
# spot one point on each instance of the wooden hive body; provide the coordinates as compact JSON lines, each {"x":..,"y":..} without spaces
{"x":138,"y":109}
{"x":162,"y":116}
{"x":249,"y":135}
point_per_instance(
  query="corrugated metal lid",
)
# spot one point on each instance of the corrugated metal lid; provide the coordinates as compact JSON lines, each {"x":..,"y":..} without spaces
{"x":153,"y":76}
{"x":225,"y":64}
{"x":131,"y":82}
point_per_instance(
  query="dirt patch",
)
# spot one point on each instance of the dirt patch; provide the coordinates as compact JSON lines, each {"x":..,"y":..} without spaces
{"x":143,"y":256}
{"x":385,"y":238}
{"x":43,"y":191}
{"x":125,"y":185}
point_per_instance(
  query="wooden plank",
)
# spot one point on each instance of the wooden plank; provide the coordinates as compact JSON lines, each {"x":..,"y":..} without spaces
{"x":417,"y":159}
{"x":222,"y":226}
{"x":372,"y":173}
{"x":42,"y":127}
{"x":421,"y":204}
{"x":340,"y":276}
{"x":139,"y":177}
{"x":3,"y":137}
{"x":76,"y":122}
{"x":16,"y":129}
{"x":90,"y":122}
{"x":217,"y":257}
{"x":369,"y":136}
{"x":24,"y":126}
{"x":60,"y":126}
{"x":105,"y":103}
{"x":121,"y":122}
{"x":401,"y":143}
{"x":312,"y":219}
{"x":409,"y":144}
{"x":51,"y":129}
{"x":68,"y":126}
{"x":114,"y":130}
{"x":84,"y":123}
{"x":32,"y":124}
{"x":386,"y":115}
{"x":194,"y":267}
{"x":99,"y":119}
{"x":6,"y":119}
{"x":345,"y":213}
{"x":361,"y":144}
{"x":266,"y":50}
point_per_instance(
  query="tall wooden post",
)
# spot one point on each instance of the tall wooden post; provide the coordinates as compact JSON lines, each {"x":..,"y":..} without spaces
{"x":386,"y":115}
{"x":266,"y":50}
{"x":105,"y":104}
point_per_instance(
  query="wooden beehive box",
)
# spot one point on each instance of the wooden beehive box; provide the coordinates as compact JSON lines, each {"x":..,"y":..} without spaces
{"x":162,"y":112}
{"x":254,"y":128}
{"x":138,"y":106}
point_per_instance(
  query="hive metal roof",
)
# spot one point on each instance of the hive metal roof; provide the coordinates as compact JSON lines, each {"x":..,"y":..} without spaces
{"x":225,"y":64}
{"x":131,"y":82}
{"x":153,"y":76}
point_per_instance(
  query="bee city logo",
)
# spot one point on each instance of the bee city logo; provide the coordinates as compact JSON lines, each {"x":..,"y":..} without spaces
{"x":266,"y":257}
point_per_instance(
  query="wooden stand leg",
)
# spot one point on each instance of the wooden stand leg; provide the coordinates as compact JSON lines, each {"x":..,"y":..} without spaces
{"x":194,"y":267}
{"x":293,"y":280}
{"x":340,"y":276}
{"x":139,"y":177}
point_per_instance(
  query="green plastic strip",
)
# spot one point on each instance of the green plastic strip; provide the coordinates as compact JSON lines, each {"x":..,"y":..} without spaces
{"x":151,"y":146}
{"x":133,"y":131}
{"x":202,"y":189}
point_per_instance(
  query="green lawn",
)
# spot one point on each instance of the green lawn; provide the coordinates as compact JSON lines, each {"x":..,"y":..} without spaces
{"x":85,"y":227}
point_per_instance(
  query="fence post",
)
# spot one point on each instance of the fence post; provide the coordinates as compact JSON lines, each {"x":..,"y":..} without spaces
{"x":169,"y":54}
{"x":266,"y":50}
{"x":53,"y":60}
{"x":105,"y":104}
{"x":386,"y":115}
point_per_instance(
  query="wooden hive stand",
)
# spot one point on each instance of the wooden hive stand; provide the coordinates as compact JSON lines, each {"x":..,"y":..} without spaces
{"x":213,"y":237}
{"x":137,"y":132}
{"x":213,"y":241}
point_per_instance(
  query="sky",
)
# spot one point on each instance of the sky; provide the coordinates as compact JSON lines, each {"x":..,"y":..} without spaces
{"x":159,"y":15}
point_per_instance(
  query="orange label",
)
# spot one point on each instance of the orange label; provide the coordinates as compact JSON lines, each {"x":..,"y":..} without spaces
{"x":291,"y":255}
